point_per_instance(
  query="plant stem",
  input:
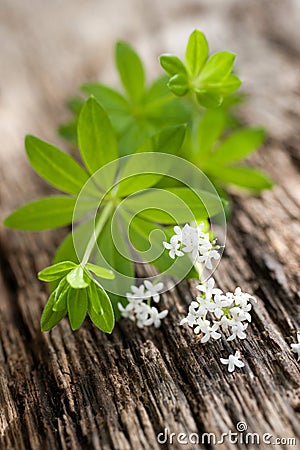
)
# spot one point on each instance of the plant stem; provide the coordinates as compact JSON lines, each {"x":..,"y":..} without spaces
{"x":98,"y":228}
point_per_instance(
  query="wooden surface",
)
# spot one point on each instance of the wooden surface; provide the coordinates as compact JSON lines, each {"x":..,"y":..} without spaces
{"x":87,"y":390}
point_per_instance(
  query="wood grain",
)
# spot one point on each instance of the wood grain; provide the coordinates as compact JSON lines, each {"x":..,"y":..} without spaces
{"x":87,"y":390}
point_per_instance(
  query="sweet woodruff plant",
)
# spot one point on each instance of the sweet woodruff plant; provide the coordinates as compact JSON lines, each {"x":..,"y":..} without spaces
{"x":123,"y":195}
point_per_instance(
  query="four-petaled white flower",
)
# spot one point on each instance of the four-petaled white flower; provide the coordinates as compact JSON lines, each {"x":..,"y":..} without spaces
{"x":237,"y":330}
{"x":125,"y":312}
{"x":296,"y":347}
{"x":233,"y":361}
{"x":137,"y":293}
{"x":209,"y":290}
{"x":207,"y":257}
{"x":242,"y":298}
{"x":208,"y":331}
{"x":221,"y":303}
{"x":155,"y":317}
{"x":138,"y":308}
{"x":174,"y":247}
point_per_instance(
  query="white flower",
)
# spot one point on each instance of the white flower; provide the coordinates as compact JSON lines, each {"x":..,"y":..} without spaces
{"x":296,"y":347}
{"x":204,"y":244}
{"x":240,"y":314}
{"x":138,"y":310}
{"x":174,"y":247}
{"x":208,"y":330}
{"x":135,"y":298}
{"x":194,"y":241}
{"x":204,"y":306}
{"x":134,"y":304}
{"x":196,"y":311}
{"x":200,"y":229}
{"x":209,"y":290}
{"x":233,"y":361}
{"x":155,"y":317}
{"x":221,"y":303}
{"x":190,"y":240}
{"x":237,"y":330}
{"x":225,"y":311}
{"x":178,"y":233}
{"x":153,"y":290}
{"x":242,"y":298}
{"x":225,"y":322}
{"x":190,"y":319}
{"x":138,"y":293}
{"x":142,"y":314}
{"x":207,"y":256}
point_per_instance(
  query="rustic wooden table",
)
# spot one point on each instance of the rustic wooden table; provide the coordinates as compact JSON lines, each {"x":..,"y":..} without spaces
{"x":87,"y":390}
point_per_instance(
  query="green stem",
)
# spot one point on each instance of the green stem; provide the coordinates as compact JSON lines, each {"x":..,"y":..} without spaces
{"x":98,"y":228}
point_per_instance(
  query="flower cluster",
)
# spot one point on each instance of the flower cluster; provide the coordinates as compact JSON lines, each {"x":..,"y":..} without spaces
{"x":194,"y":241}
{"x":139,"y":307}
{"x":214,"y":311}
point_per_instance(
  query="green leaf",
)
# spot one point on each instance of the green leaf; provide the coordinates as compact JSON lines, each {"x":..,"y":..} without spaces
{"x":244,"y":177}
{"x":61,"y":294}
{"x":138,"y":173}
{"x":116,"y":106}
{"x":49,"y":317}
{"x":131,"y":71}
{"x":68,"y":131}
{"x":134,"y":175}
{"x":178,"y":84}
{"x":77,"y":307}
{"x":209,"y":99}
{"x":135,"y":135}
{"x":238,"y":145}
{"x":75,"y":105}
{"x":55,"y":166}
{"x":77,"y":278}
{"x":105,"y":319}
{"x":217,"y":68}
{"x":94,"y":299}
{"x":42,"y":214}
{"x":158,"y":92}
{"x":96,"y":138}
{"x":176,"y":205}
{"x":172,"y":64}
{"x":56,"y":271}
{"x":101,"y":272}
{"x":106,"y":96}
{"x":210,"y":129}
{"x":196,"y":53}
